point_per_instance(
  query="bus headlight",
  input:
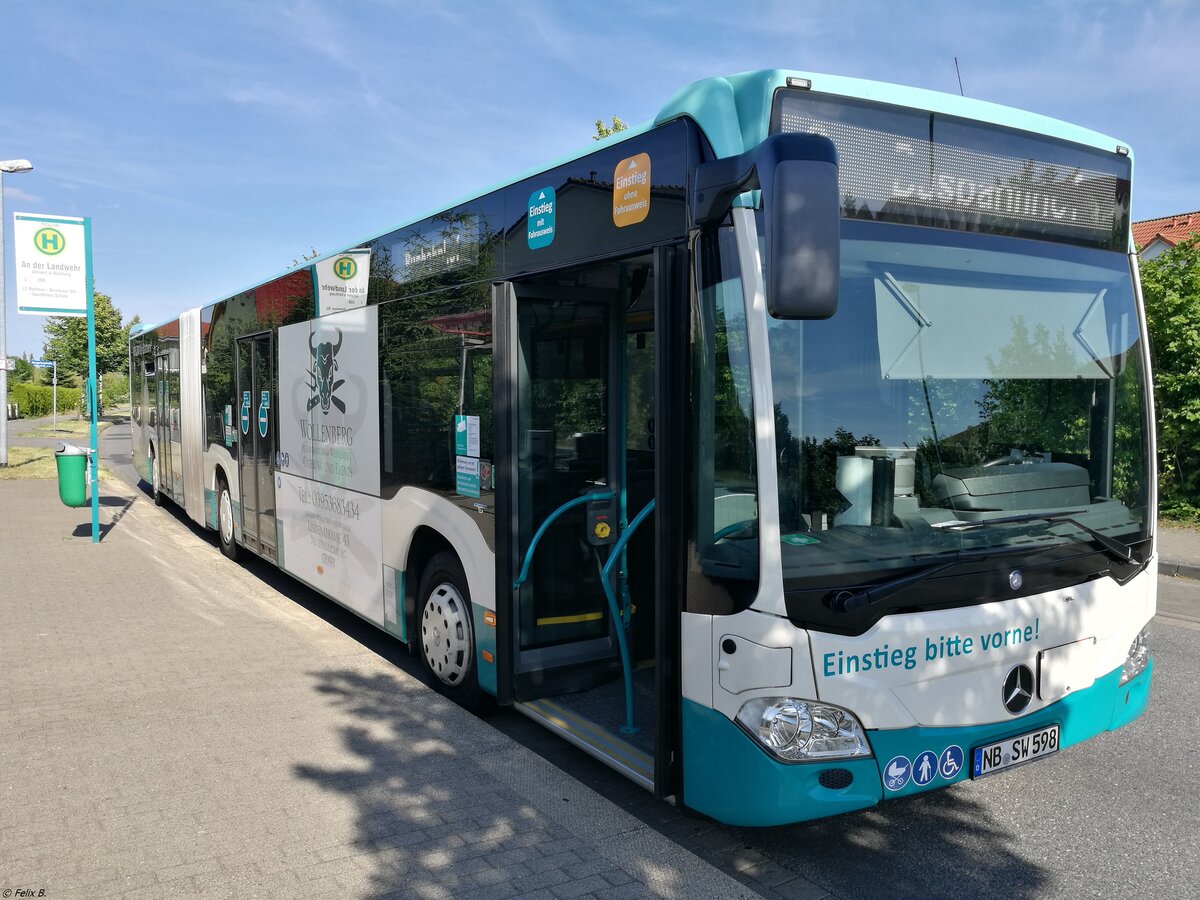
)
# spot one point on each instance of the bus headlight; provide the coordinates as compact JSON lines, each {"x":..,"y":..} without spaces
{"x":1137,"y":657}
{"x":803,"y":730}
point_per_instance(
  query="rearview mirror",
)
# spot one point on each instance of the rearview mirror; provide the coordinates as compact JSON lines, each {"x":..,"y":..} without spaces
{"x":797,"y":174}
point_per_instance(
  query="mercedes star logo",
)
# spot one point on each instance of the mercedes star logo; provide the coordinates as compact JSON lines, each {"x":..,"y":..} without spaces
{"x":1018,"y":689}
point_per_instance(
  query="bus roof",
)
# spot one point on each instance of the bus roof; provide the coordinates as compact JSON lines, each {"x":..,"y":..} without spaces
{"x":734,"y":112}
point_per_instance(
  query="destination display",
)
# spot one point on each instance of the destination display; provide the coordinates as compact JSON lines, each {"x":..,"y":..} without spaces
{"x":447,"y":246}
{"x":921,"y":168}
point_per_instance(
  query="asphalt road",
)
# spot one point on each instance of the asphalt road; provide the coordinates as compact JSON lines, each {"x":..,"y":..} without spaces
{"x":1118,"y":816}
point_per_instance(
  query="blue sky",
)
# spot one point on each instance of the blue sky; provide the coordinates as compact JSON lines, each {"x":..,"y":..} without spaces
{"x":214,"y":143}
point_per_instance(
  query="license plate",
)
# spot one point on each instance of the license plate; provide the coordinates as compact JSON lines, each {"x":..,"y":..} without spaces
{"x":1005,"y":754}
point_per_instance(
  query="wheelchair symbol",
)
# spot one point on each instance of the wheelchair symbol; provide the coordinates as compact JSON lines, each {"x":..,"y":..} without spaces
{"x":951,"y":761}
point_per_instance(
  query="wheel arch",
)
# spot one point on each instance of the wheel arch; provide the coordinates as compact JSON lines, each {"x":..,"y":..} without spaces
{"x":427,"y":542}
{"x":417,"y":524}
{"x":219,"y":462}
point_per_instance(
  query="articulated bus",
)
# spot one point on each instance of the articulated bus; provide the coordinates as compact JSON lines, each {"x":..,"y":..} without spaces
{"x":788,"y":453}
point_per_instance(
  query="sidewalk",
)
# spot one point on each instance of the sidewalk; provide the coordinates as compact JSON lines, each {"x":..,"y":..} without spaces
{"x":171,"y":725}
{"x":1179,"y":551}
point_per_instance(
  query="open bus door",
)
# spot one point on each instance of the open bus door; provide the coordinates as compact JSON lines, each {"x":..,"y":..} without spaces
{"x":577,"y":583}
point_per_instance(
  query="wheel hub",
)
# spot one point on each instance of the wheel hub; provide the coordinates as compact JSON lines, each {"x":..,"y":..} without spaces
{"x":226,"y":514}
{"x":446,"y":634}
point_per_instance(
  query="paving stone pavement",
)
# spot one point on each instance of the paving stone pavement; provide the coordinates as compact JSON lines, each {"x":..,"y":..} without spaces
{"x":173,"y":726}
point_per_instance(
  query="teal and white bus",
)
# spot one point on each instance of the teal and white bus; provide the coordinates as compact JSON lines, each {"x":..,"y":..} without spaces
{"x":788,"y":453}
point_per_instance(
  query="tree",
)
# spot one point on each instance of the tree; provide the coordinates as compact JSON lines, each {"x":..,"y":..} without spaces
{"x":1171,"y":287}
{"x":66,"y":340}
{"x":603,"y":131}
{"x":23,"y":374}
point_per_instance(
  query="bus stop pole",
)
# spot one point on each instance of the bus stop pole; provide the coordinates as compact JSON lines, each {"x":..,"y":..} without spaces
{"x":91,"y":383}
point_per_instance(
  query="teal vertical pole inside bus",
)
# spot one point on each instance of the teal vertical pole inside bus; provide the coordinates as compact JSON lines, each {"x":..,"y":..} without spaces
{"x":92,"y":393}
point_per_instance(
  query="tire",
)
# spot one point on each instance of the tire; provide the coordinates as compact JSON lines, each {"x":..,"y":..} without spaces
{"x":446,"y":631}
{"x":155,"y":490}
{"x":225,"y":521}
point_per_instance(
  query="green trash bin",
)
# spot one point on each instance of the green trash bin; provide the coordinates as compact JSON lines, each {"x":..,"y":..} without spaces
{"x":72,"y":474}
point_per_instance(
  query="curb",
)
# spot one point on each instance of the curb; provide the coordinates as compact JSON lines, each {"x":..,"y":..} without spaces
{"x":1178,"y":570}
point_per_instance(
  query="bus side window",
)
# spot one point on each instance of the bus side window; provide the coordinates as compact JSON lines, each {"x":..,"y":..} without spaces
{"x":723,"y":562}
{"x":435,"y":359}
{"x":477,"y":401}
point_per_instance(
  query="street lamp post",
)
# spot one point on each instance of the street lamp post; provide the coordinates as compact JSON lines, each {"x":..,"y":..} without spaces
{"x":10,"y":166}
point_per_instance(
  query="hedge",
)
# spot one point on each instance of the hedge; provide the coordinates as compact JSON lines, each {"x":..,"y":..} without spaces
{"x":34,"y":400}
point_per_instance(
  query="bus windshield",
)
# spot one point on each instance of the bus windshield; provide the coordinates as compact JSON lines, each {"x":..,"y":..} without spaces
{"x":972,"y":393}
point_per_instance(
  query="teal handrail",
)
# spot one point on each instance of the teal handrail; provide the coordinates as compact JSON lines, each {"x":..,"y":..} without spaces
{"x":620,"y":622}
{"x":622,"y":641}
{"x":570,"y":504}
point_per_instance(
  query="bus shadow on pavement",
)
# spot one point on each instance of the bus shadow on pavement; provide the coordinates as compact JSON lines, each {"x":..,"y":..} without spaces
{"x":431,"y":818}
{"x":434,"y":822}
{"x":942,"y":844}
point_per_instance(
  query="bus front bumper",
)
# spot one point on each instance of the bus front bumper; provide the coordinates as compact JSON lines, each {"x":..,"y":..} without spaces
{"x":728,"y":776}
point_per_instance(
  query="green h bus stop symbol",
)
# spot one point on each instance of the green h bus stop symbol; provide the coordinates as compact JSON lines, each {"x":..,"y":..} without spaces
{"x":49,"y":241}
{"x":345,"y":268}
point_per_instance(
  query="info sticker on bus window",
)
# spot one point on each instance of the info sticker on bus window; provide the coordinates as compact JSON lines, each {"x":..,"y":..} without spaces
{"x":799,"y":540}
{"x":631,"y":190}
{"x":466,"y":476}
{"x":540,"y":226}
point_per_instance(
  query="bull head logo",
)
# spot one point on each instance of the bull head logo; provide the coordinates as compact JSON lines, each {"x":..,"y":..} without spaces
{"x":324,"y":364}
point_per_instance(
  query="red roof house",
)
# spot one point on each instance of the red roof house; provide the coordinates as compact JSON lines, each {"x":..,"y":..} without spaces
{"x":1154,"y":236}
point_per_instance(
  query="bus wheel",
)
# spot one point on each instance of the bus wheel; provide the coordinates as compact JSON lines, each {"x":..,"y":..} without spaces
{"x":225,"y":521}
{"x":446,"y":632}
{"x":155,"y":485}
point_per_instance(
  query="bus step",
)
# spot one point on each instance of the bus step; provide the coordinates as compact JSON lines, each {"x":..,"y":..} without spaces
{"x":585,"y":734}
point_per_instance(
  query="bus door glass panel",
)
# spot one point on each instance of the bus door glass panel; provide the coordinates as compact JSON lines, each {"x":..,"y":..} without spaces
{"x":175,"y":424}
{"x":639,"y":475}
{"x":145,"y":389}
{"x":162,"y":429}
{"x":147,"y":415}
{"x":264,"y":436}
{"x":562,"y":454}
{"x":255,"y":419}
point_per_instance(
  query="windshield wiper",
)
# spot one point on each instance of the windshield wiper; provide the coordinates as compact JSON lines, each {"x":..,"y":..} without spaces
{"x":850,"y":601}
{"x":1120,"y":552}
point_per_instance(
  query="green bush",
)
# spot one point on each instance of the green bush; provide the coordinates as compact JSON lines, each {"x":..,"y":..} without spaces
{"x":116,"y":388}
{"x":1171,"y":285}
{"x":1181,"y":511}
{"x":35,"y":400}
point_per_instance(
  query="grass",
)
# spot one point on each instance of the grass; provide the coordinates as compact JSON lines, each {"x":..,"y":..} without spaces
{"x":66,"y":428}
{"x":35,"y":462}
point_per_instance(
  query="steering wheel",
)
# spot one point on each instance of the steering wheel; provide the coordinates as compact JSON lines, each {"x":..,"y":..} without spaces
{"x":729,"y":530}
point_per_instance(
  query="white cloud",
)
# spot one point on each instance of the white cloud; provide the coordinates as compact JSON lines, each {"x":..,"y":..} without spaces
{"x":16,"y":195}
